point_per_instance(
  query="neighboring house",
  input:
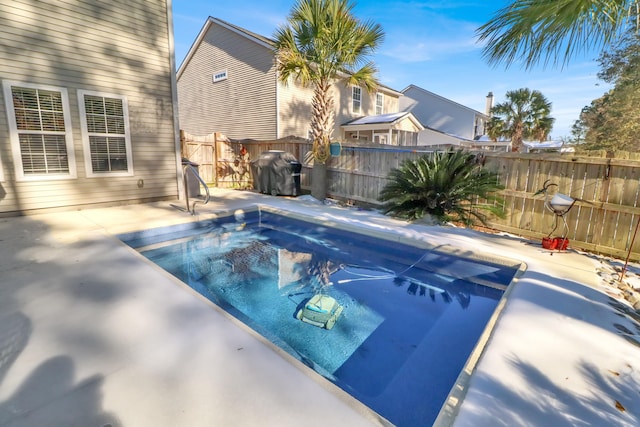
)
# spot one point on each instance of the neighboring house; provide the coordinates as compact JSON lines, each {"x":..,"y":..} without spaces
{"x":228,"y":83}
{"x":441,"y":115}
{"x":86,"y":106}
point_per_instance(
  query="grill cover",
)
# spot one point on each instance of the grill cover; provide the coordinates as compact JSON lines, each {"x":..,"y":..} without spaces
{"x":276,"y":173}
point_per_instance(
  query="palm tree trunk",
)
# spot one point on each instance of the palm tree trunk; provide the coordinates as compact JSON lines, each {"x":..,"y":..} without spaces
{"x":322,"y":128}
{"x":516,"y":142}
{"x":319,"y":181}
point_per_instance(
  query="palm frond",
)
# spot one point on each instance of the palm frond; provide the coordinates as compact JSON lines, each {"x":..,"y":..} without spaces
{"x":530,"y":32}
{"x":321,"y":43}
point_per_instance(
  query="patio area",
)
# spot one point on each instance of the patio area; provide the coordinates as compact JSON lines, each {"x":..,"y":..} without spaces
{"x":91,"y":334}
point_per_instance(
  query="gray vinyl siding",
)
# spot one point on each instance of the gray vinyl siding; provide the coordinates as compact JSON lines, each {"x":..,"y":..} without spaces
{"x":439,"y":113}
{"x":430,"y":137}
{"x":114,"y":47}
{"x":243,"y":105}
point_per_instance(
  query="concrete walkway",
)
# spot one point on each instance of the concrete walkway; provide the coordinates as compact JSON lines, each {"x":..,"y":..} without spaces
{"x":93,"y":335}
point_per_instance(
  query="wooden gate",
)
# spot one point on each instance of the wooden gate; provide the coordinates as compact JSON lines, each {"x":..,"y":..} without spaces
{"x":222,"y":163}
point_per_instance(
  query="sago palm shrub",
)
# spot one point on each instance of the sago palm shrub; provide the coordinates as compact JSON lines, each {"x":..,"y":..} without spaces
{"x":450,"y":186}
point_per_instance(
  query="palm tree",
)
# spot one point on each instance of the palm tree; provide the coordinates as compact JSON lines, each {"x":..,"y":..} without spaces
{"x":530,"y":32}
{"x":323,"y":43}
{"x":446,"y":185}
{"x":495,"y":128}
{"x":524,"y":114}
{"x":542,"y":128}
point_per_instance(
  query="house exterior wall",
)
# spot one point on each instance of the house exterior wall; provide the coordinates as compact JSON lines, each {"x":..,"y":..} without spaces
{"x":241,"y":106}
{"x":344,"y":112}
{"x":295,"y":108}
{"x":440,"y":113}
{"x":430,"y":137}
{"x":406,"y":125}
{"x":391,"y":102}
{"x":294,"y":112}
{"x":250,"y":102}
{"x":101,"y":48}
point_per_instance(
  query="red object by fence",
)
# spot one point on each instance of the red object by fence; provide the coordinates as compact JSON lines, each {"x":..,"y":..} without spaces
{"x":552,"y":243}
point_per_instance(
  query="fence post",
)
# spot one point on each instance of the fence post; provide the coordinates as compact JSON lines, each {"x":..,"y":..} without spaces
{"x":603,"y":198}
{"x":183,"y":144}
{"x":215,"y":157}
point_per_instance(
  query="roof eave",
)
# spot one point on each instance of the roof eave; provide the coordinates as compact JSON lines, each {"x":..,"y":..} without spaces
{"x":263,"y":41}
{"x":443,"y":98}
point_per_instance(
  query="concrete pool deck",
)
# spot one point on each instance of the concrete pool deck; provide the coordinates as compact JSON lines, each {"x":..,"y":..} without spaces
{"x":93,"y":335}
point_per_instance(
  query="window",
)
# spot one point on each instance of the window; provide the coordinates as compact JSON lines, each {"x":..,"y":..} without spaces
{"x":105,"y":134}
{"x":379,"y":103}
{"x":40,"y":131}
{"x":356,"y":96}
{"x":219,"y":76}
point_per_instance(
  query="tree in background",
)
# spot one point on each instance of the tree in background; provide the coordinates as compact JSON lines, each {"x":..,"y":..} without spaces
{"x":530,"y":33}
{"x":591,"y":125}
{"x":612,"y":122}
{"x":446,"y":185}
{"x":542,"y":126}
{"x":525,"y":114}
{"x":323,"y":43}
{"x":578,"y":132}
{"x":495,"y":128}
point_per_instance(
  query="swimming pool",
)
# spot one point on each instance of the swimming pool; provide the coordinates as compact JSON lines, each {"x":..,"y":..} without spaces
{"x":411,"y":315}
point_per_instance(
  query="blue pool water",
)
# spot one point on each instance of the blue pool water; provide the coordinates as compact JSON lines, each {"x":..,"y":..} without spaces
{"x":411,"y":316}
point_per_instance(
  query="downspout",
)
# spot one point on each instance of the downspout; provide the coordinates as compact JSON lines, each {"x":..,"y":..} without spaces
{"x":174,"y":102}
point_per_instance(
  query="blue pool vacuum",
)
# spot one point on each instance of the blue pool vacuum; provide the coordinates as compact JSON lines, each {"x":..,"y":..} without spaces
{"x":321,"y":311}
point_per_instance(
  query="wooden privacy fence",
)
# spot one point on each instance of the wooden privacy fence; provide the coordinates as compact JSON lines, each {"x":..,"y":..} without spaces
{"x":604,"y":221}
{"x":221,"y":163}
{"x":200,"y":150}
{"x":605,"y":218}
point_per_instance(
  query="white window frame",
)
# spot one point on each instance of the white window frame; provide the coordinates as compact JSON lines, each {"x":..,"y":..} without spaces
{"x":86,"y":135}
{"x":356,"y":98}
{"x":379,"y":103}
{"x":219,"y":76}
{"x":14,"y":133}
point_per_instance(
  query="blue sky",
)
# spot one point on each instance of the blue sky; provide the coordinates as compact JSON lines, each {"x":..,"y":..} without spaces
{"x":430,"y":44}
